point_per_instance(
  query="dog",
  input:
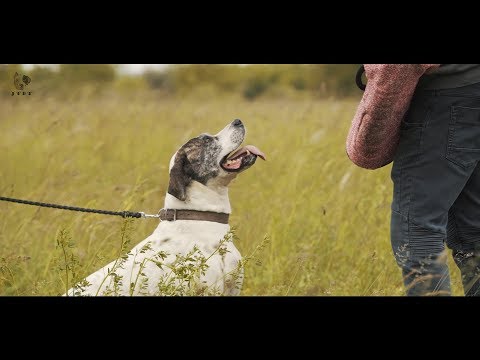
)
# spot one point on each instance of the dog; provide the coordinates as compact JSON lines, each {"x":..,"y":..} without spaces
{"x":190,"y":252}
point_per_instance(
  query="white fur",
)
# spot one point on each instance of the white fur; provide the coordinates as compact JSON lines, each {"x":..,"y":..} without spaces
{"x":182,"y":235}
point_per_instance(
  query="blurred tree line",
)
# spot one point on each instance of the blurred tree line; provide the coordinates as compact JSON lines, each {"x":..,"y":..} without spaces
{"x":250,"y":81}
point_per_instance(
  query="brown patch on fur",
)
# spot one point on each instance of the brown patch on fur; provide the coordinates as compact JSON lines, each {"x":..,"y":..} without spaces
{"x":196,"y":160}
{"x":178,"y":179}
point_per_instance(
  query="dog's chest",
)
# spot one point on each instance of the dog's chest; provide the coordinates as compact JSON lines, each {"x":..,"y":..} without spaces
{"x":188,"y":243}
{"x":175,"y":250}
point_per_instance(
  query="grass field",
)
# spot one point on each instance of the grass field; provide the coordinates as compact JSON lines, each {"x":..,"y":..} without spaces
{"x":327,"y":220}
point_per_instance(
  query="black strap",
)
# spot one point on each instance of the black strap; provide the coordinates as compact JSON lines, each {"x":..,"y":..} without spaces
{"x":358,"y":78}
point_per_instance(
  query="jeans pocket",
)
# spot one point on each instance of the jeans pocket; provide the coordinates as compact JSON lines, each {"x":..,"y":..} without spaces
{"x":411,"y":139}
{"x":463,"y":146}
{"x":418,"y":113}
{"x":412,"y":127}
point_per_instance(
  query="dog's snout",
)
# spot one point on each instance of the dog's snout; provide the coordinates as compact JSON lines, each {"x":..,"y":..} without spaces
{"x":237,"y":122}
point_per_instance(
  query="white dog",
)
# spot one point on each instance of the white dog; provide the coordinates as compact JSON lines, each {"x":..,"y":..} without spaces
{"x":195,"y":213}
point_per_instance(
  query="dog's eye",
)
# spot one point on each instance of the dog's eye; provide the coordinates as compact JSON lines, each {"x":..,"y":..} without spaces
{"x":206,"y":137}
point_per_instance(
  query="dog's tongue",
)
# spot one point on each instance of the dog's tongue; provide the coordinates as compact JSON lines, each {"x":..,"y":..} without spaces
{"x":253,"y":149}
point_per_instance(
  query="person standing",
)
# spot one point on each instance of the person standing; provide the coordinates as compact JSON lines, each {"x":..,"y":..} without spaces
{"x":426,"y":119}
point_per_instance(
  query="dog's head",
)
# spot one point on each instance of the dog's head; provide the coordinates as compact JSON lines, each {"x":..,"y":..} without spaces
{"x":211,"y":159}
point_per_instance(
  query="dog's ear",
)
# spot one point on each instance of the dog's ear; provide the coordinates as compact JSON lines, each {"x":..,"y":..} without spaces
{"x":179,"y":180}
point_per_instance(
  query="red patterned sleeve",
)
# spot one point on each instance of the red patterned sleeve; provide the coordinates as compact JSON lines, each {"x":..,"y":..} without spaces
{"x":375,"y":129}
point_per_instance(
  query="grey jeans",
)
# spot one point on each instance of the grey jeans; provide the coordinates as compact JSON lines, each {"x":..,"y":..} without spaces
{"x":436,"y":197}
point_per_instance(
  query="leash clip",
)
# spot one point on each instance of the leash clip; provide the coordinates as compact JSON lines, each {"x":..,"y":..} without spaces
{"x":149,"y":215}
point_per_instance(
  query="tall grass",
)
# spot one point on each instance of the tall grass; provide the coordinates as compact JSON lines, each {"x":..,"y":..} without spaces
{"x":327,"y":220}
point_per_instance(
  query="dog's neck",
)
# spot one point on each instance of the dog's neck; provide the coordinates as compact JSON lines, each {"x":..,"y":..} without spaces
{"x":202,"y":198}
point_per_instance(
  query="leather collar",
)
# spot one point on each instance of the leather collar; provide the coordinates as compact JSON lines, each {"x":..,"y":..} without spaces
{"x":174,"y":214}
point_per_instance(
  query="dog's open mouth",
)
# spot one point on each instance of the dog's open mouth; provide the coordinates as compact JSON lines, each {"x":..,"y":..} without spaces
{"x":241,"y":158}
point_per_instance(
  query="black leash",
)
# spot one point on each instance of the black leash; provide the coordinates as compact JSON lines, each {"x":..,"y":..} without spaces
{"x":358,"y":78}
{"x":123,"y":214}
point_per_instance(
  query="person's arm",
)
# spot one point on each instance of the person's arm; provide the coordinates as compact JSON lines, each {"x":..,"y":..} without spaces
{"x":373,"y":136}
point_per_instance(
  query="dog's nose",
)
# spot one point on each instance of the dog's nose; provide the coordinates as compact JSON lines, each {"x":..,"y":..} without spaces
{"x":237,"y":122}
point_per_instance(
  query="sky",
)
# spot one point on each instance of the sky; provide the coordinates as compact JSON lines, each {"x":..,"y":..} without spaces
{"x":130,"y":69}
{"x":134,"y":69}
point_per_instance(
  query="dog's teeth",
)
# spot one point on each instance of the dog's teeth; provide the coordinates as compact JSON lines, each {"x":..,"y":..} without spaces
{"x":235,"y":162}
